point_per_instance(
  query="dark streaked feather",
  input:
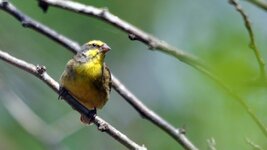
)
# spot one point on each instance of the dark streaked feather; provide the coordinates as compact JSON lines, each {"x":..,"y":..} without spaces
{"x":106,"y":78}
{"x":104,"y":83}
{"x":80,"y":57}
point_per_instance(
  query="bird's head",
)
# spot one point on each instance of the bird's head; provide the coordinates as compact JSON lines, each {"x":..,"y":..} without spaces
{"x":94,"y":49}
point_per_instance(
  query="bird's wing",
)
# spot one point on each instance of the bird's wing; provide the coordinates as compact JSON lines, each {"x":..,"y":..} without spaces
{"x":106,"y":78}
{"x":104,"y":82}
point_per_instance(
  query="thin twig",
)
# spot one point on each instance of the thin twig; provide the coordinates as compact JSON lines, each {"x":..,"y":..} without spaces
{"x":40,"y":72}
{"x":260,"y":3}
{"x":178,"y":134}
{"x":28,"y":22}
{"x":137,"y":104}
{"x":252,"y":43}
{"x":154,"y":43}
{"x":134,"y":33}
{"x":240,"y":100}
{"x":211,"y":144}
{"x":253,"y":145}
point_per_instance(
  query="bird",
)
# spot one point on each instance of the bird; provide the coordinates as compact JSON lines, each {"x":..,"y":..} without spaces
{"x":87,"y":78}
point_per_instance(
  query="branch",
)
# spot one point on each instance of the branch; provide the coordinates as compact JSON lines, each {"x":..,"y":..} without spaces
{"x":253,"y":145}
{"x":133,"y":32}
{"x":40,"y":72}
{"x":177,"y":134}
{"x":28,"y":22}
{"x":260,"y":3}
{"x":252,"y":43}
{"x":211,"y":144}
{"x":154,"y":43}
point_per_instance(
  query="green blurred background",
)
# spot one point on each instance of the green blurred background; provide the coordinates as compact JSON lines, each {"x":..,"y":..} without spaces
{"x":211,"y":30}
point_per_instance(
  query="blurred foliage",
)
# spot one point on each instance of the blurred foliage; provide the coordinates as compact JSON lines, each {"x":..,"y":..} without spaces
{"x":211,"y":30}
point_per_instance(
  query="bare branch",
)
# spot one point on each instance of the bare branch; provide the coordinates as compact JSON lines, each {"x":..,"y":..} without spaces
{"x":28,"y":22}
{"x":252,"y":43}
{"x":119,"y":87}
{"x":177,"y":134}
{"x":211,"y":144}
{"x":134,"y":33}
{"x":253,"y":145}
{"x":41,"y":73}
{"x":260,"y":3}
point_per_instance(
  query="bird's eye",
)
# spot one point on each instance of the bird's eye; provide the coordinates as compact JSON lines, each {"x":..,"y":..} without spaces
{"x":94,"y":45}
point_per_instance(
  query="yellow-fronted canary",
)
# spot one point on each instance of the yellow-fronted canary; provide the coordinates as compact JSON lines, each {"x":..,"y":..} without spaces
{"x":87,"y":78}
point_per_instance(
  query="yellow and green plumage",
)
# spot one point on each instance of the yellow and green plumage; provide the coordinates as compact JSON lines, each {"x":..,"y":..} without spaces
{"x":86,"y":77}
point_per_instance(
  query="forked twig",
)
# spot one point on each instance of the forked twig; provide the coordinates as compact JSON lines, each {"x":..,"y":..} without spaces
{"x":211,"y":144}
{"x":252,"y":43}
{"x":260,"y":3}
{"x":253,"y":145}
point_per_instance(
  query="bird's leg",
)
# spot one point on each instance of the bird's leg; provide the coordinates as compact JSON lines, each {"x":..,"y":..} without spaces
{"x":88,"y":119}
{"x":62,"y":91}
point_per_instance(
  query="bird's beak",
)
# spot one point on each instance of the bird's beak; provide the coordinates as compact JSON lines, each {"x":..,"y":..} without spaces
{"x":105,"y":48}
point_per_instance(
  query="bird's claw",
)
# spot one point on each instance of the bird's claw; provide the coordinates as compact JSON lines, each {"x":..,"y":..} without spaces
{"x":88,"y":118}
{"x":62,"y":91}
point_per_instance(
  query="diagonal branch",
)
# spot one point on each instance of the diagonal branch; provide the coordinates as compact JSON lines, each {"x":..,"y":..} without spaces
{"x":260,"y":3}
{"x":28,"y":22}
{"x":211,"y":144}
{"x":154,"y":43}
{"x":252,"y":43}
{"x":40,"y":72}
{"x":177,"y":134}
{"x":253,"y":145}
{"x":133,"y":32}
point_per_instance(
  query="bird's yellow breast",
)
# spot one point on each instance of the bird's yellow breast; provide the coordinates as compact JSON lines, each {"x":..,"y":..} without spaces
{"x":90,"y":70}
{"x":82,"y":82}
